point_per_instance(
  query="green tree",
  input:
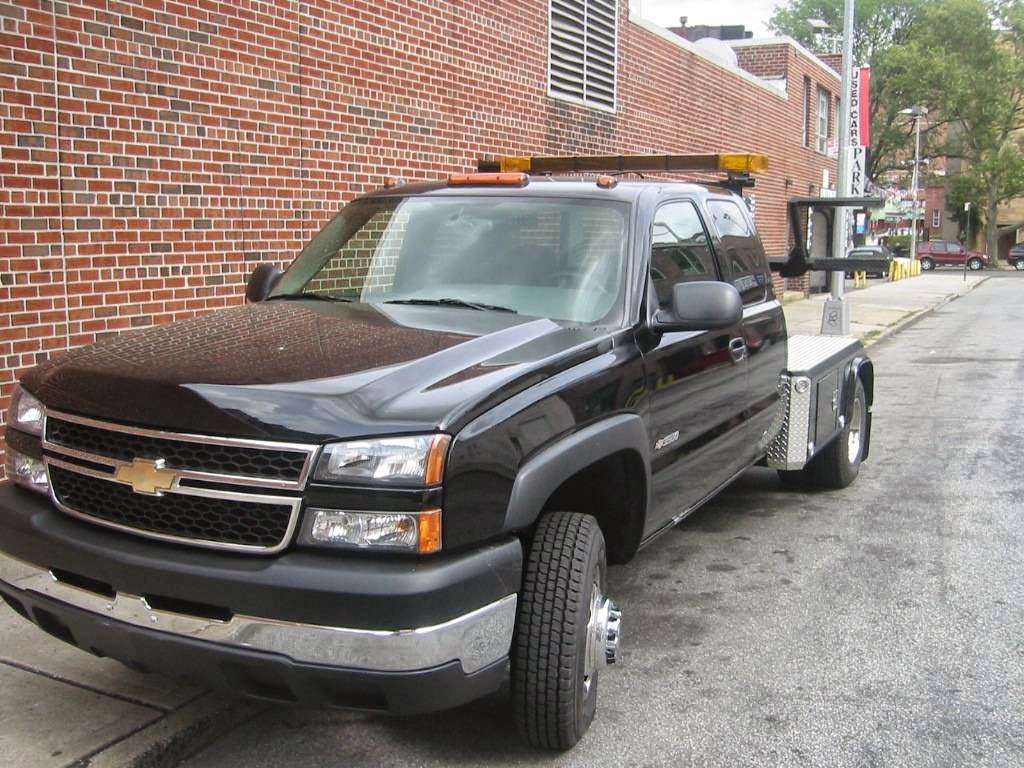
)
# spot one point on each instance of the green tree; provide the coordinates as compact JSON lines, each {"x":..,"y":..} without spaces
{"x":880,"y":26}
{"x":966,"y":63}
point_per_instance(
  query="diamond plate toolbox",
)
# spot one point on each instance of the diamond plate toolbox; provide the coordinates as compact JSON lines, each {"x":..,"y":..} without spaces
{"x":811,"y":360}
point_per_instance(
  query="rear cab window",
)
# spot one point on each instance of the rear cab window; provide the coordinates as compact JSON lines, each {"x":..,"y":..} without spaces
{"x":743,"y":256}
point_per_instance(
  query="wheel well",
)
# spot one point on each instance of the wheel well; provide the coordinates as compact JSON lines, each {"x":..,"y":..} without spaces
{"x":614,"y":490}
{"x":866,"y":373}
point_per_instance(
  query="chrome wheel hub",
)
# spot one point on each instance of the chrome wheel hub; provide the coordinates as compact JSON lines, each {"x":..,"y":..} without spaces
{"x":604,"y":626}
{"x":856,"y":426}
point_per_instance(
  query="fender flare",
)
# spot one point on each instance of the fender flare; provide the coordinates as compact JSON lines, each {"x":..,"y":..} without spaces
{"x":541,"y":475}
{"x":861,"y":368}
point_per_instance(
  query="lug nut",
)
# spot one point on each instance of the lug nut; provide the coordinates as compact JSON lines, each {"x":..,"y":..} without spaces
{"x":613,"y":631}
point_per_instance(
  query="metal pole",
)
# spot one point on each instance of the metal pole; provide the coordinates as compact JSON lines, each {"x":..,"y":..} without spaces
{"x":913,"y":186}
{"x":967,"y":210}
{"x":836,"y":318}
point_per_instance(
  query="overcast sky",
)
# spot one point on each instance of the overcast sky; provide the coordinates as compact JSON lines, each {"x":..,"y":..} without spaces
{"x":753,"y":14}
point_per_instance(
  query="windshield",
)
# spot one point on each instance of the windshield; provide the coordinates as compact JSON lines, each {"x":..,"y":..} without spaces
{"x":554,"y":258}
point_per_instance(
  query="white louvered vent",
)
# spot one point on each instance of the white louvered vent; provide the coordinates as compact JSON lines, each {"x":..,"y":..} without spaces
{"x":582,"y":51}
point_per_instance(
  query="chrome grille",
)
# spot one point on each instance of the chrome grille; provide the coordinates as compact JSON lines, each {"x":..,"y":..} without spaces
{"x":214,"y":456}
{"x":210,"y":491}
{"x":196,"y":518}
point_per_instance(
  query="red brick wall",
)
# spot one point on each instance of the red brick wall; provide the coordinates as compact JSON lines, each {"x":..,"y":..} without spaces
{"x":832,"y":60}
{"x":152,"y":152}
{"x":766,"y":60}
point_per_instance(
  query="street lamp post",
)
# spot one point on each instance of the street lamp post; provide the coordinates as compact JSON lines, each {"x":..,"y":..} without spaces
{"x":836,"y":314}
{"x":917,"y":114}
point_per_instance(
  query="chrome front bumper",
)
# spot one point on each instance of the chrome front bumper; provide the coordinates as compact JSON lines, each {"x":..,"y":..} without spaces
{"x":476,"y":639}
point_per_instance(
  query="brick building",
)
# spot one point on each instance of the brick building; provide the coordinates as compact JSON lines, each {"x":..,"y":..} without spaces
{"x":153,"y":152}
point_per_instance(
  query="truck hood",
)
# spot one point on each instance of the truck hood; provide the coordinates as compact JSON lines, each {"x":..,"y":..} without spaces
{"x":313,"y":371}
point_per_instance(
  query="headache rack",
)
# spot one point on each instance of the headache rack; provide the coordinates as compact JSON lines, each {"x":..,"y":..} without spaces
{"x":799,"y":262}
{"x":736,"y":165}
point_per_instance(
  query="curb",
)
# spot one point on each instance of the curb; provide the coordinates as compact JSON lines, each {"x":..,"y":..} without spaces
{"x":176,"y":736}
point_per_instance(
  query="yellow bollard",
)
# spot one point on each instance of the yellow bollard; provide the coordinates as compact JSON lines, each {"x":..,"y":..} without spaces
{"x":860,"y":279}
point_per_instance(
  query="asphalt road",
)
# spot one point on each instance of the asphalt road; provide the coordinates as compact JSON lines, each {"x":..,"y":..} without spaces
{"x":878,"y":626}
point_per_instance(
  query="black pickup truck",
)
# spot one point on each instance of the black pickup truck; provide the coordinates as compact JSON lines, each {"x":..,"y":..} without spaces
{"x":393,"y":479}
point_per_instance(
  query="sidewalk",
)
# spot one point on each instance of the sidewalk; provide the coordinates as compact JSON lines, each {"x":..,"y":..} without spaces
{"x":63,"y":707}
{"x":883,"y":308}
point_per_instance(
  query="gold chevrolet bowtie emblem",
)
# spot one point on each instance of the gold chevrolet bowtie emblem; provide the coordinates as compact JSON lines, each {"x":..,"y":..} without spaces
{"x":146,"y":476}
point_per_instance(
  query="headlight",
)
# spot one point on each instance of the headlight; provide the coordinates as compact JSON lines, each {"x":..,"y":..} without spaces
{"x":413,"y":460}
{"x":27,"y":472}
{"x":26,"y":413}
{"x":410,"y":531}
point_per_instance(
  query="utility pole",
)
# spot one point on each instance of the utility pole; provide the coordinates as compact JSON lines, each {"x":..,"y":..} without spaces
{"x":836,"y":317}
{"x":918,"y":113}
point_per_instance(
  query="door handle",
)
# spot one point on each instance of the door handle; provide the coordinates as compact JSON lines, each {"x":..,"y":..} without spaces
{"x":738,"y":349}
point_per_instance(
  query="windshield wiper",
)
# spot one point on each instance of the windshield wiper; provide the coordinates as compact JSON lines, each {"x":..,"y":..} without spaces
{"x":448,"y":302}
{"x":308,"y":295}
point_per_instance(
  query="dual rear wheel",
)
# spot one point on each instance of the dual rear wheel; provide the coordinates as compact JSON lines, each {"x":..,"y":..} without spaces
{"x":838,"y":463}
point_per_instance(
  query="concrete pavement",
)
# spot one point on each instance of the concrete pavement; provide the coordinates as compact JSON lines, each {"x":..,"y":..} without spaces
{"x":884,"y":307}
{"x":60,"y":706}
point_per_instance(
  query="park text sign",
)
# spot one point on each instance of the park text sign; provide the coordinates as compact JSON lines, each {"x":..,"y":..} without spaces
{"x":858,"y":137}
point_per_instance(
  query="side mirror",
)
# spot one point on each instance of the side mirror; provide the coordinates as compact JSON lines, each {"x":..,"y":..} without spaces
{"x":262,"y":282}
{"x":700,"y":306}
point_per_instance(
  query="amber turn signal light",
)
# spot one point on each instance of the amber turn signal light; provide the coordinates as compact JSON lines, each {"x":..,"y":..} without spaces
{"x":435,"y":460}
{"x":430,"y":531}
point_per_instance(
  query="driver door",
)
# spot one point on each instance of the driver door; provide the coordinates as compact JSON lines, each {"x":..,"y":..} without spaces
{"x":699,"y":378}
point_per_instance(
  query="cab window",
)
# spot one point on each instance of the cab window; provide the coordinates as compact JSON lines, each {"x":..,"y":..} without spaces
{"x":743,"y":255}
{"x":680,"y":251}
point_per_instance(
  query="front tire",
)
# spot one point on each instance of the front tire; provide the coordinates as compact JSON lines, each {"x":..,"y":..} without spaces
{"x":1019,"y":265}
{"x":564,"y":630}
{"x":927,"y":264}
{"x":974,"y":265}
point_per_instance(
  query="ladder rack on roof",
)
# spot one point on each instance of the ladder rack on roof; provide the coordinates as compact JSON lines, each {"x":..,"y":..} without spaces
{"x":737,"y":165}
{"x":731,"y":162}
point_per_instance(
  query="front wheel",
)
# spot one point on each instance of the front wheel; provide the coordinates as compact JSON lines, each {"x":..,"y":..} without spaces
{"x":567,"y":630}
{"x":1019,"y":265}
{"x":927,"y":264}
{"x":974,"y":265}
